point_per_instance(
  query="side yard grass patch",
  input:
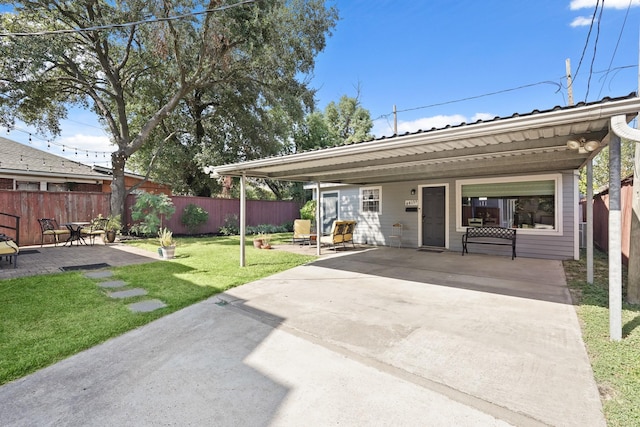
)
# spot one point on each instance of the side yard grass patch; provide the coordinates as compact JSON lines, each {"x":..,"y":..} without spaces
{"x":47,"y":318}
{"x":616,"y":365}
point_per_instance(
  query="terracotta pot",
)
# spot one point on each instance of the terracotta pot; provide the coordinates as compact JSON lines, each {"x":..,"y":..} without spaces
{"x":267,"y":246}
{"x":110,"y":236}
{"x":257,"y":243}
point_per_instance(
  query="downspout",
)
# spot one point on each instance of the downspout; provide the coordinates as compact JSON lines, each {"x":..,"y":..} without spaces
{"x":621,"y":129}
{"x":615,"y":242}
{"x":318,"y":219}
{"x":589,"y":207}
{"x":243,"y":219}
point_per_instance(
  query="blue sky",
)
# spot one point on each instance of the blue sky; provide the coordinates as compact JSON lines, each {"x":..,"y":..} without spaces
{"x":418,"y":54}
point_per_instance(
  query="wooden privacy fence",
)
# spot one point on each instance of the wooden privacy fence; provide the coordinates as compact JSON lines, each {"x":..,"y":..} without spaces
{"x":82,"y":206}
{"x":258,"y":212}
{"x":601,"y":218}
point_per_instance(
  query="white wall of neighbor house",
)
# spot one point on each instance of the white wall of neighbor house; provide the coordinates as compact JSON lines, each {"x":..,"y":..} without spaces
{"x":374,"y":228}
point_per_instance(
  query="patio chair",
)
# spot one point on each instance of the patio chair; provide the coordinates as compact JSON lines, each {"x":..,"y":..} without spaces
{"x":97,"y":228}
{"x":49,"y":227}
{"x":335,"y":236}
{"x":396,"y":234}
{"x":347,"y":233}
{"x":301,"y":231}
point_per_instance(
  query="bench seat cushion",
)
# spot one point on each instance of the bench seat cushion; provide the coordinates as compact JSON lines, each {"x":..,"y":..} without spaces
{"x":8,"y":247}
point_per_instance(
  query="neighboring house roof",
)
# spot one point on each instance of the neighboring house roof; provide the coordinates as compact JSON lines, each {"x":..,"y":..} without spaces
{"x":22,"y":160}
{"x":522,"y":143}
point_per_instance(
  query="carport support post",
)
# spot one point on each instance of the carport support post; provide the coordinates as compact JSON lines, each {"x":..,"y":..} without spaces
{"x":615,"y":241}
{"x":589,"y":207}
{"x":243,"y":218}
{"x":318,"y":219}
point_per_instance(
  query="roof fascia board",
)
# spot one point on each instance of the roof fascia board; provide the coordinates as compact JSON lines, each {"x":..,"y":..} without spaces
{"x":476,"y":130}
{"x":38,"y":174}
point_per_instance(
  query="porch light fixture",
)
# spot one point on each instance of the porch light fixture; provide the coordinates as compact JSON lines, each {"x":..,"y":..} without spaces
{"x":582,"y":145}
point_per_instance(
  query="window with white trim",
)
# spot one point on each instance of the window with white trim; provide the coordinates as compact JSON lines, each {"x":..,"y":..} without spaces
{"x":521,"y":202}
{"x":371,"y":199}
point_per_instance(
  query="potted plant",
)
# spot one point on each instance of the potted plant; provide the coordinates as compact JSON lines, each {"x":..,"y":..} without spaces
{"x":112,"y":227}
{"x":265,"y":241}
{"x":257,"y":241}
{"x":167,"y":244}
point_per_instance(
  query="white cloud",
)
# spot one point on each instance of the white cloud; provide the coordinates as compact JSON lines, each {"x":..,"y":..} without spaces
{"x":581,"y":21}
{"x":482,"y":116}
{"x":608,"y":4}
{"x":385,"y":128}
{"x":87,"y":142}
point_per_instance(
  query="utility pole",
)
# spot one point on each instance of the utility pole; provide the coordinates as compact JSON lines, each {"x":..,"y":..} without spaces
{"x":567,"y":64}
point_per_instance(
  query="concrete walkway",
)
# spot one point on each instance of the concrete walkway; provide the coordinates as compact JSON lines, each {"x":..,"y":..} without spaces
{"x":391,"y":337}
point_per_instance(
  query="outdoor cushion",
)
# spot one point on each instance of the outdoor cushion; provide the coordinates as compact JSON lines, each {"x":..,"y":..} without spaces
{"x":9,"y":249}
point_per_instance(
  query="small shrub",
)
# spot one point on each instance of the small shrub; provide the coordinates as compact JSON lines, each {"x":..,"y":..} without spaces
{"x":193,"y":217}
{"x":231,"y":226}
{"x":308,"y":211}
{"x":148,"y":211}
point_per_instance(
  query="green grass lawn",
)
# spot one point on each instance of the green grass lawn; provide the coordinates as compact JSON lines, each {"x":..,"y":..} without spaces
{"x":616,"y":365}
{"x":47,"y":318}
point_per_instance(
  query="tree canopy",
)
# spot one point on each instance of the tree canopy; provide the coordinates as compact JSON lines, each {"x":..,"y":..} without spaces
{"x":601,"y":167}
{"x":144,"y":66}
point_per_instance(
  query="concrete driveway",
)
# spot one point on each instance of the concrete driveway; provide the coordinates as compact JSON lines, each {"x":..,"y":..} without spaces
{"x":384,"y":337}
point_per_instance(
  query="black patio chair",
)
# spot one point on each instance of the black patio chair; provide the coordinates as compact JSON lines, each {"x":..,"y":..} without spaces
{"x":49,"y":227}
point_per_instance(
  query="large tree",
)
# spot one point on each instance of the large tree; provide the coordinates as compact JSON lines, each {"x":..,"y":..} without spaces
{"x":137,"y":62}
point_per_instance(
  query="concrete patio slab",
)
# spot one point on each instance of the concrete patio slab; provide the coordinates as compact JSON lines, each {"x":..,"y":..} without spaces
{"x":380,"y":337}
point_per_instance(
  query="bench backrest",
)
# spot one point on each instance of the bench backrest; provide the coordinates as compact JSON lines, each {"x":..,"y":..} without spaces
{"x":495,"y":232}
{"x":337,"y":231}
{"x":301,"y":227}
{"x":347,"y":234}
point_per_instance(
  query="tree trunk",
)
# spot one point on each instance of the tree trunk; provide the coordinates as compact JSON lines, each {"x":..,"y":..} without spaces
{"x":118,"y":189}
{"x":633,"y":278}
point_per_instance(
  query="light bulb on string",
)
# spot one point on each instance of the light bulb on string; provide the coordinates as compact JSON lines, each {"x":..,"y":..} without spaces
{"x":63,"y":148}
{"x":30,"y":139}
{"x":48,"y":145}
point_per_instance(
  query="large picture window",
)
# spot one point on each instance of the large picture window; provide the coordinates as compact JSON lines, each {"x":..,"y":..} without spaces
{"x":371,"y":199}
{"x":530,"y":203}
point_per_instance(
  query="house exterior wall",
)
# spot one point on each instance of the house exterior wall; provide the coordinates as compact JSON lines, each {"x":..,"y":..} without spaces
{"x":375,"y":228}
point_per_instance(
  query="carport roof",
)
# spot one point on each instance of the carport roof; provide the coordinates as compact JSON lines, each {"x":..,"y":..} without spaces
{"x":522,"y":143}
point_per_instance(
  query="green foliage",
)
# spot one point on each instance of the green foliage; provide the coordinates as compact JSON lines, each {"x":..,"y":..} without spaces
{"x":601,"y":167}
{"x":342,"y":123}
{"x":231,"y":225}
{"x":308,"y":211}
{"x":149,"y":210}
{"x":50,"y":317}
{"x":266,"y":229}
{"x":165,"y":237}
{"x":114,"y":223}
{"x":184,"y":94}
{"x":193,"y":217}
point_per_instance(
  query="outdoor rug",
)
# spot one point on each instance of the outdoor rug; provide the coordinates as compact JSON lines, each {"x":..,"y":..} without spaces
{"x":435,"y":251}
{"x":29,"y":251}
{"x":85,"y":267}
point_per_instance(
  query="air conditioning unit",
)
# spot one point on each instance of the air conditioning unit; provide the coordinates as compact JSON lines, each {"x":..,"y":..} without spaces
{"x":583,"y":235}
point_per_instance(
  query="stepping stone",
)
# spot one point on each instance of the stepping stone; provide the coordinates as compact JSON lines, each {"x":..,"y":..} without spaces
{"x":99,"y":274}
{"x":128,"y":293}
{"x":146,"y":306}
{"x":112,"y":284}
